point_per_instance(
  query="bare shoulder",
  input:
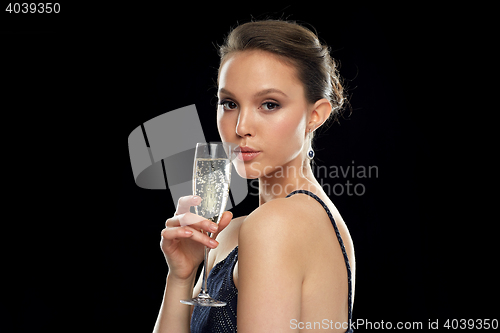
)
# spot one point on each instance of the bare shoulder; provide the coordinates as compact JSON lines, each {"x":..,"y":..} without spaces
{"x":292,"y":222}
{"x":277,"y":211}
{"x":283,"y":221}
{"x":270,"y":241}
{"x":292,"y":209}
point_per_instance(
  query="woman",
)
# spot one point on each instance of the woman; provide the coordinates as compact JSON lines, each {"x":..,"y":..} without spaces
{"x":290,"y":264}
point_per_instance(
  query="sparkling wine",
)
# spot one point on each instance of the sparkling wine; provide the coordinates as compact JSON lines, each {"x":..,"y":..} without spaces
{"x":211,"y":183}
{"x":211,"y":178}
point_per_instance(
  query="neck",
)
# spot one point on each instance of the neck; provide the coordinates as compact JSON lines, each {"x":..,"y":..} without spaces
{"x":285,"y":180}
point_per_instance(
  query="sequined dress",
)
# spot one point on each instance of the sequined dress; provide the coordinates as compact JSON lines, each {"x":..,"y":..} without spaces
{"x":221,"y":286}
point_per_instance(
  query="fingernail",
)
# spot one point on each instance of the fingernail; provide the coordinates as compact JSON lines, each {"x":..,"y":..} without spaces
{"x":196,"y":198}
{"x":188,"y":232}
{"x":213,"y":227}
{"x":213,"y":243}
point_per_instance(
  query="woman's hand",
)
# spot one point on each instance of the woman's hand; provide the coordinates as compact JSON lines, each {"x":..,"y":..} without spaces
{"x":182,"y":242}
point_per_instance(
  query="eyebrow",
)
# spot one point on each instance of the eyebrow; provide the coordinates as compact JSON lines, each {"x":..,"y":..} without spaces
{"x":260,"y":93}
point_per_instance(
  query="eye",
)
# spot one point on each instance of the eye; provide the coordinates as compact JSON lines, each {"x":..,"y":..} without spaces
{"x":228,"y":105}
{"x":270,"y":106}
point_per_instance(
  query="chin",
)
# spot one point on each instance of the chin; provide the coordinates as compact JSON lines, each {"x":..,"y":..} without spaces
{"x":247,"y":174}
{"x":246,"y":170}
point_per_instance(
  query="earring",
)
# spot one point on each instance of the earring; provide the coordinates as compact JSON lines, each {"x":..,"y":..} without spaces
{"x":310,"y":152}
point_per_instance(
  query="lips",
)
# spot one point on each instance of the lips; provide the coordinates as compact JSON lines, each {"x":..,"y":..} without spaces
{"x":240,"y":149}
{"x":246,"y":153}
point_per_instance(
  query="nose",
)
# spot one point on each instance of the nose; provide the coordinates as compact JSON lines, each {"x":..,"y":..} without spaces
{"x":245,"y":127}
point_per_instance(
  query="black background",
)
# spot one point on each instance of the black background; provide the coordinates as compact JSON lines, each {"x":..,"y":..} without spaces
{"x":82,"y":245}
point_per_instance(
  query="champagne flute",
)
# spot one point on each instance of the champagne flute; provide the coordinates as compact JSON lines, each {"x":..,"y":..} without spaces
{"x":211,"y":178}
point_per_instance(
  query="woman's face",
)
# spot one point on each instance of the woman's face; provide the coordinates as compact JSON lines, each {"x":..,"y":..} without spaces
{"x":262,"y":106}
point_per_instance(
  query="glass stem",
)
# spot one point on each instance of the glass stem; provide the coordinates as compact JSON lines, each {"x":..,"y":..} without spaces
{"x":205,"y":271}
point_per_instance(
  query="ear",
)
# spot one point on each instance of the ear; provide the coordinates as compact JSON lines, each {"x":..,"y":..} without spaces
{"x":319,"y":113}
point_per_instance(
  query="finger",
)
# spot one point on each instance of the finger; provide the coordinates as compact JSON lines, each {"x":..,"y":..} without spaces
{"x":175,"y":221}
{"x":186,"y":202}
{"x":173,"y":233}
{"x":190,"y":218}
{"x":226,"y":217}
{"x":195,"y":221}
{"x":170,"y":234}
{"x":203,"y":238}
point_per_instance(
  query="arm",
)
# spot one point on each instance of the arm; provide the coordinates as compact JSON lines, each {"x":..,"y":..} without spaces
{"x":175,"y":316}
{"x":270,"y":268}
{"x":182,"y":244}
{"x":173,"y":312}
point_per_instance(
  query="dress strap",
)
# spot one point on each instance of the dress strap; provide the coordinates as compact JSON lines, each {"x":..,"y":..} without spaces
{"x":342,"y":247}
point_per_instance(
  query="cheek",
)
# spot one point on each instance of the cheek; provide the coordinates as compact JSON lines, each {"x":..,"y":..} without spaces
{"x":287,"y":134}
{"x":225,"y":125}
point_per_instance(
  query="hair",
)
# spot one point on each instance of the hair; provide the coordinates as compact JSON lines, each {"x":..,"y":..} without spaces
{"x":295,"y":45}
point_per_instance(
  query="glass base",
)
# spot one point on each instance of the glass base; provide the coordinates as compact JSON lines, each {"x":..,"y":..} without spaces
{"x":203,"y":300}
